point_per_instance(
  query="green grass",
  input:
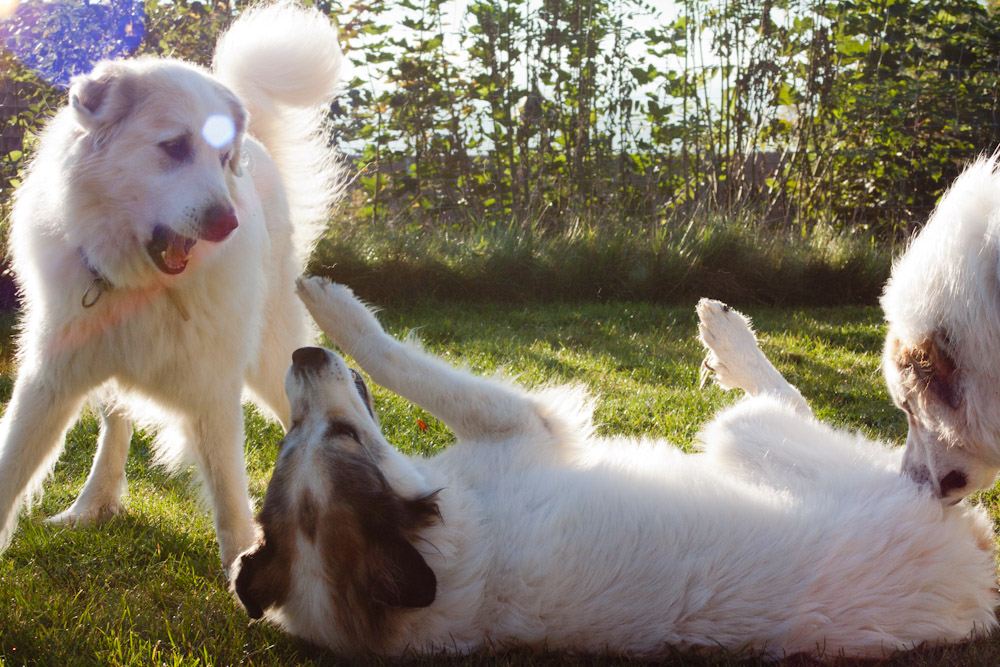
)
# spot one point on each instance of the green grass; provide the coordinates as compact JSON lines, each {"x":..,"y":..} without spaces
{"x":146,"y":588}
{"x":732,"y":257}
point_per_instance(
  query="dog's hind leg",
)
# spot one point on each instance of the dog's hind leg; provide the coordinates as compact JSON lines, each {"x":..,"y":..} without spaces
{"x":100,"y":498}
{"x":215,"y":434}
{"x":286,"y":329}
{"x":473,"y":407}
{"x":735,"y":359}
{"x":266,"y":383}
{"x":32,"y":433}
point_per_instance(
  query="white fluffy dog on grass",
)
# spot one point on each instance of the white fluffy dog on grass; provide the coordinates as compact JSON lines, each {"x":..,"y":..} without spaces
{"x":155,"y":244}
{"x":783,"y":536}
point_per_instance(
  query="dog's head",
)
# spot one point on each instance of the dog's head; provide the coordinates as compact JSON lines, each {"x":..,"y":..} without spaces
{"x":335,"y":559}
{"x":942,"y":351}
{"x":151,"y":169}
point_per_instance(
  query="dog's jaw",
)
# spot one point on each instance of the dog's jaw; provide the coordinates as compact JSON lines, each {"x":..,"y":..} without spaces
{"x":169,"y":250}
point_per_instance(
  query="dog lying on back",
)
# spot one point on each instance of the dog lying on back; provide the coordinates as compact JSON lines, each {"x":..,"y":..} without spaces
{"x":784,"y":535}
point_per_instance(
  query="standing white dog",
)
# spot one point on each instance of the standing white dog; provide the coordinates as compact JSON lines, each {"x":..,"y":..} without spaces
{"x":784,"y":535}
{"x":155,"y":243}
{"x":942,"y":352}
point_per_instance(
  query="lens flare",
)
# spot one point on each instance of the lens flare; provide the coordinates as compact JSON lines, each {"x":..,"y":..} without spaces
{"x":7,"y":8}
{"x":60,"y":39}
{"x":218,"y":130}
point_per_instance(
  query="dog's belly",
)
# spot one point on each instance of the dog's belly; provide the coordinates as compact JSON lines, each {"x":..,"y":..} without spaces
{"x":642,"y":565}
{"x":591,"y":560}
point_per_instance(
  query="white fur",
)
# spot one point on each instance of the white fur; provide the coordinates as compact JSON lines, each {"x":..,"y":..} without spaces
{"x":784,"y":535}
{"x":175,"y":350}
{"x":944,"y":293}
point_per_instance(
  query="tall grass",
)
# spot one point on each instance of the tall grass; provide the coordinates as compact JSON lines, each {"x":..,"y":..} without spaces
{"x":731,"y":258}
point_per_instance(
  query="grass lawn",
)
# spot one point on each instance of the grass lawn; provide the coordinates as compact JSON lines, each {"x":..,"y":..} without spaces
{"x":147,"y":588}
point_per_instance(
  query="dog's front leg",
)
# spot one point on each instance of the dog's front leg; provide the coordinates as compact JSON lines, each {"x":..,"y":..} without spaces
{"x":216,"y":436}
{"x":32,"y":433}
{"x":735,"y":358}
{"x":473,"y":407}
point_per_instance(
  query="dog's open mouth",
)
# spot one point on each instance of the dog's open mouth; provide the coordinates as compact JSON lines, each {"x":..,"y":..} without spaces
{"x":169,"y":250}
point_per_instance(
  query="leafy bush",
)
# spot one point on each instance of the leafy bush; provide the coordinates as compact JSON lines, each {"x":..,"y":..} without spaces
{"x":548,"y":117}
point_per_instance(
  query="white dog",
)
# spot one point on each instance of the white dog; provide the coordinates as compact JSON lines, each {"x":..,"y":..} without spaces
{"x":783,"y":536}
{"x":155,"y":243}
{"x":942,"y":352}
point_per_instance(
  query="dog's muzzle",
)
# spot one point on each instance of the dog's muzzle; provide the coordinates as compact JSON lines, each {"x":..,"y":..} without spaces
{"x":171,"y":251}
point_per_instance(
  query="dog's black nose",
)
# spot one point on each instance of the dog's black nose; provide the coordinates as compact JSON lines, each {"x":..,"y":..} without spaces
{"x":218,"y":222}
{"x":309,"y":357}
{"x":953,"y":481}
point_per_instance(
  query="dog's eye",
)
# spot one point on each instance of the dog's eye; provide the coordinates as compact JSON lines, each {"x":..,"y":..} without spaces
{"x":337,"y":427}
{"x":225,"y":158}
{"x":360,"y":384}
{"x":178,"y":149}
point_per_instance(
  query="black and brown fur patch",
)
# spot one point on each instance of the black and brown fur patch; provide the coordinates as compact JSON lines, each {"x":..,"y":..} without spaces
{"x":366,"y":533}
{"x":367,"y":540}
{"x":263,"y":577}
{"x":926,"y":369}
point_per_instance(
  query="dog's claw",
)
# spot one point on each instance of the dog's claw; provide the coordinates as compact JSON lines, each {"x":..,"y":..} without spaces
{"x":705,"y":374}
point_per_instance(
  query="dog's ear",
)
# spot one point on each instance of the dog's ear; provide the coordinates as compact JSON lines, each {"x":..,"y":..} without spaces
{"x":240,"y":117}
{"x":400,"y":575}
{"x":104,"y":97}
{"x":260,"y":580}
{"x":928,"y":368}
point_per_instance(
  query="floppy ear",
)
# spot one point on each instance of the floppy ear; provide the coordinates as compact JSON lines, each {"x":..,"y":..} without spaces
{"x":104,"y":97}
{"x":400,"y":575}
{"x":260,"y":580}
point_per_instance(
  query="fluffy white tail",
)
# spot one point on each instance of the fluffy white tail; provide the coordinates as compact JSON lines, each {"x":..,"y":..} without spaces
{"x":284,"y":62}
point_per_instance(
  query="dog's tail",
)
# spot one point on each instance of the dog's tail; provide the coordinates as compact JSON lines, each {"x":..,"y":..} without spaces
{"x":284,"y":63}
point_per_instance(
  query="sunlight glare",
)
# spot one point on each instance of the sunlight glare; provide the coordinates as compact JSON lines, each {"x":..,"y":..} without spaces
{"x":218,"y":129}
{"x":7,"y":8}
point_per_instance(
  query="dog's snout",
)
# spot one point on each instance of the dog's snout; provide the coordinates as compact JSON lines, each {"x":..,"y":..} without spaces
{"x":309,"y":357}
{"x":218,"y":223}
{"x":953,"y":481}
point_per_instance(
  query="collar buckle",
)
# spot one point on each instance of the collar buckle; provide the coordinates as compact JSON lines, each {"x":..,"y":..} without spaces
{"x":95,"y":291}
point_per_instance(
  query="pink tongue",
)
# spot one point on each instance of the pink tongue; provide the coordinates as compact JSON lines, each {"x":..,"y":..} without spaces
{"x":176,"y":255}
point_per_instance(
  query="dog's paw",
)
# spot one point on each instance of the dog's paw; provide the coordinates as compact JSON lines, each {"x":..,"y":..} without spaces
{"x":312,"y":290}
{"x":731,"y":346}
{"x":340,"y":315}
{"x":80,"y":514}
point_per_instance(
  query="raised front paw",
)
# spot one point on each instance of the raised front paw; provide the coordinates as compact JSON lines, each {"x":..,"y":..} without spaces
{"x":338,"y":312}
{"x":731,"y":347}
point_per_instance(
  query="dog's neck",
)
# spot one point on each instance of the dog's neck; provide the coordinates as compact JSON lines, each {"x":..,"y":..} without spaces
{"x":100,"y":285}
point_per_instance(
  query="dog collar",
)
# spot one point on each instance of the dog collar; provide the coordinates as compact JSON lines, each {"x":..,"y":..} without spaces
{"x":97,"y":287}
{"x":101,"y":284}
